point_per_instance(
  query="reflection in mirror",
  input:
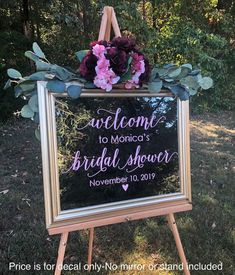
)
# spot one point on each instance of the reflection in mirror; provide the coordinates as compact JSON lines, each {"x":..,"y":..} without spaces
{"x":116,"y":149}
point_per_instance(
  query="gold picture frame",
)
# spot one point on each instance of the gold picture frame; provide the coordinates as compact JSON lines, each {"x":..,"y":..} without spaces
{"x":87,"y":217}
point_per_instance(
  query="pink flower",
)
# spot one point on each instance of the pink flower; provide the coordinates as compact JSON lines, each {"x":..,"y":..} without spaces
{"x":105,"y":79}
{"x":98,"y":50}
{"x":102,"y":65}
{"x":105,"y":76}
{"x":137,"y":68}
{"x":130,"y":85}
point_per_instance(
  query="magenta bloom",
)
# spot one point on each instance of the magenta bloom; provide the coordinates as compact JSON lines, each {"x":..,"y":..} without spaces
{"x":87,"y":67}
{"x":118,"y":60}
{"x":123,"y":43}
{"x":99,"y":50}
{"x":137,"y":69}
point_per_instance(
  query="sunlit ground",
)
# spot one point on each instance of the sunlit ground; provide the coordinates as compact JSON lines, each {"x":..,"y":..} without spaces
{"x":207,"y":232}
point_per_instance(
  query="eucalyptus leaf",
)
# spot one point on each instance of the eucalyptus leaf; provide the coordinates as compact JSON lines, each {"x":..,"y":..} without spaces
{"x":33,"y":103}
{"x":168,"y":79}
{"x":153,"y":74}
{"x":26,"y":87}
{"x":37,"y":134}
{"x":167,"y":66}
{"x":180,"y":91}
{"x":184,"y":95}
{"x":185,"y":70}
{"x":192,"y":91}
{"x":162,"y":71}
{"x":79,"y":79}
{"x":74,"y":91}
{"x":190,"y":82}
{"x":18,"y":91}
{"x":56,"y":86}
{"x":14,"y":74}
{"x":50,"y":76}
{"x":62,"y":73}
{"x":167,"y":84}
{"x":206,"y":83}
{"x":199,"y":78}
{"x":81,"y":54}
{"x":195,"y":72}
{"x":155,"y":86}
{"x":188,"y":66}
{"x":7,"y":84}
{"x":172,"y":73}
{"x":36,"y":118}
{"x":38,"y":76}
{"x":32,"y":56}
{"x":27,"y":112}
{"x":42,"y":66}
{"x":37,"y":50}
{"x":30,"y":93}
{"x":89,"y":85}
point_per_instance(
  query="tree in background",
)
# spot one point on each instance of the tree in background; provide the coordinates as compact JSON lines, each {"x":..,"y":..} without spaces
{"x":200,"y":32}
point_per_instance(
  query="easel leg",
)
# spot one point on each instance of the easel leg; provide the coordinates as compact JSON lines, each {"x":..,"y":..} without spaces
{"x":91,"y":239}
{"x":61,"y":251}
{"x":174,"y":229}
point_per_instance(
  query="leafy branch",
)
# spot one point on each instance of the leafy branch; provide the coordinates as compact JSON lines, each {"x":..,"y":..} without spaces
{"x":182,"y":80}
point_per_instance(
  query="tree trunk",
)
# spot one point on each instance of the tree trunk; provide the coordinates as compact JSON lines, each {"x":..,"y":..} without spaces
{"x":86,"y":4}
{"x":154,"y":17}
{"x":144,"y":10}
{"x":38,"y":31}
{"x":25,"y":19}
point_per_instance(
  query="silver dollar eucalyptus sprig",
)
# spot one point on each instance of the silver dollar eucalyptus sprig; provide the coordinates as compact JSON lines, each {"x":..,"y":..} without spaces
{"x":182,"y":80}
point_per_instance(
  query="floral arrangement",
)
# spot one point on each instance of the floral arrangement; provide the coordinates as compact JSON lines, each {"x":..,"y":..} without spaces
{"x":106,"y":65}
{"x":109,"y":63}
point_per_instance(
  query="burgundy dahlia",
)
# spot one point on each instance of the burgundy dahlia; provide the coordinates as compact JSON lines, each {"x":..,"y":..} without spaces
{"x":87,"y":67}
{"x":117,"y":59}
{"x":123,"y":43}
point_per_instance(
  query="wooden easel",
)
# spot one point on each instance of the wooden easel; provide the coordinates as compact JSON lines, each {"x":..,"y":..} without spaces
{"x":109,"y":20}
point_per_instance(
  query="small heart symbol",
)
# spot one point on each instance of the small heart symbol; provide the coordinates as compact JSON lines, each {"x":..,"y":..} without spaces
{"x":125,"y":186}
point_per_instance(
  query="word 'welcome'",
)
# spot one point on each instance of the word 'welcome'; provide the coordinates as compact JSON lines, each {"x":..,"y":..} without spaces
{"x":115,"y":121}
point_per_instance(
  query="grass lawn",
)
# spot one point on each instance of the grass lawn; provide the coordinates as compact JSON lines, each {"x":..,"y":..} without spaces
{"x":207,"y":232}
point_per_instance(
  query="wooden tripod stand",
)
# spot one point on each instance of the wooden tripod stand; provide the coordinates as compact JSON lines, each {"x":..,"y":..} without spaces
{"x":171,"y":223}
{"x":109,"y":20}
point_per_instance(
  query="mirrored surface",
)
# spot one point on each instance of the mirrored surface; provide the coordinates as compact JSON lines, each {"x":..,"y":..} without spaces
{"x":116,"y":149}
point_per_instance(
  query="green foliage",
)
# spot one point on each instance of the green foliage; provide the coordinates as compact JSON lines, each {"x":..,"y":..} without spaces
{"x":56,"y":86}
{"x":182,"y":81}
{"x":27,"y":112}
{"x":74,"y":91}
{"x":155,"y":86}
{"x":56,"y":76}
{"x":38,"y":51}
{"x":14,"y":74}
{"x":33,"y":103}
{"x":81,"y":54}
{"x":199,"y":32}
